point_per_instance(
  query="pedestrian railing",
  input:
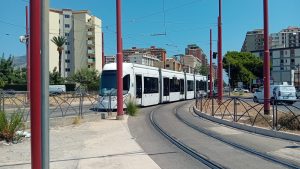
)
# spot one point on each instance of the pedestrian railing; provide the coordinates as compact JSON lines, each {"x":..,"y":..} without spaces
{"x":244,"y":110}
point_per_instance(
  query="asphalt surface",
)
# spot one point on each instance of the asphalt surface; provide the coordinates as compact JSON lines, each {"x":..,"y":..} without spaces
{"x":164,"y":153}
{"x":152,"y":142}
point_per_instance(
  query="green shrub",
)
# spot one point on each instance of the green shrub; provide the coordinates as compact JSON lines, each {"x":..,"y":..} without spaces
{"x":132,"y":108}
{"x":9,"y":126}
{"x":289,"y":122}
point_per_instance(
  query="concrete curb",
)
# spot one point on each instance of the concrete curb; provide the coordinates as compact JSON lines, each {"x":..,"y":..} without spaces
{"x":257,"y":130}
{"x":69,"y":120}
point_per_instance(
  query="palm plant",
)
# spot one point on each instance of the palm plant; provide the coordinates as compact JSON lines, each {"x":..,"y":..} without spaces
{"x":59,"y":41}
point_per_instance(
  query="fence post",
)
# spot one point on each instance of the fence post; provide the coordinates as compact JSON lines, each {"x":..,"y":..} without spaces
{"x":234,"y":110}
{"x":276,"y":114}
{"x":212,"y":107}
{"x":273,"y":110}
{"x":201,"y":106}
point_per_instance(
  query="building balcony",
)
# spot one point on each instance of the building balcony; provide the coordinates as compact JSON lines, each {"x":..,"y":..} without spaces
{"x":91,"y":52}
{"x":90,"y":43}
{"x":90,"y":33}
{"x":91,"y":60}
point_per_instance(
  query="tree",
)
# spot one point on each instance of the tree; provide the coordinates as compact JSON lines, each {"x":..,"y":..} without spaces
{"x":202,"y":69}
{"x":243,"y":67}
{"x":59,"y":41}
{"x":88,"y":78}
{"x":55,"y":78}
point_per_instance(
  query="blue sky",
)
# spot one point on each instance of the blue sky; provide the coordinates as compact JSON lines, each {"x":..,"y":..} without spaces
{"x":184,"y":21}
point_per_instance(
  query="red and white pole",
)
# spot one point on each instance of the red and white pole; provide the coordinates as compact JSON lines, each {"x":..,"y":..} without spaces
{"x":220,"y":64}
{"x":35,"y":85}
{"x":103,"y":58}
{"x":266,"y":60}
{"x":210,"y":66}
{"x":119,"y":63}
{"x":27,"y":52}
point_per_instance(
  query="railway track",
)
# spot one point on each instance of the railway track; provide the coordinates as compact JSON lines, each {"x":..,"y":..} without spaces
{"x":203,"y":158}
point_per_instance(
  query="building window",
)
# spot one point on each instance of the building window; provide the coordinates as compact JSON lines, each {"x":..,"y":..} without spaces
{"x":67,"y":34}
{"x":67,"y":69}
{"x":67,"y":43}
{"x":67,"y":52}
{"x":293,"y":60}
{"x":89,"y":66}
{"x":67,"y":60}
{"x":67,"y":16}
{"x":67,"y":25}
{"x":281,"y":60}
{"x":167,"y":65}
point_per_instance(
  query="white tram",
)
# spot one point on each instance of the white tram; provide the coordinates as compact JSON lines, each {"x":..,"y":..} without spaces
{"x":148,"y":85}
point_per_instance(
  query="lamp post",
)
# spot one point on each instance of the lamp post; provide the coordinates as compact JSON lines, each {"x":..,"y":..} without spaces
{"x":220,"y":65}
{"x":266,"y":59}
{"x":210,"y":66}
{"x":119,"y":62}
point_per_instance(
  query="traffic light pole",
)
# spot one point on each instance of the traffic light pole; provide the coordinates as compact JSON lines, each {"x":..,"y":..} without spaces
{"x":210,"y":67}
{"x":266,"y":60}
{"x":119,"y":62}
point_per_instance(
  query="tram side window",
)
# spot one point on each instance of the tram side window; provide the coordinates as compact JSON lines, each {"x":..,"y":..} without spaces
{"x":166,"y":86}
{"x":150,"y":85}
{"x":190,"y":85}
{"x":172,"y":85}
{"x":175,"y":85}
{"x":181,"y":86}
{"x":203,"y":85}
{"x":197,"y":85}
{"x":126,"y":83}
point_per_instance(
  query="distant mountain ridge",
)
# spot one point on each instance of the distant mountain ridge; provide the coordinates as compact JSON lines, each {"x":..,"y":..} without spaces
{"x":19,"y":62}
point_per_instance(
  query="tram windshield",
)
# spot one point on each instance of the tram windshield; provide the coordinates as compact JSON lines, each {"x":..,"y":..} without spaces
{"x":109,"y":83}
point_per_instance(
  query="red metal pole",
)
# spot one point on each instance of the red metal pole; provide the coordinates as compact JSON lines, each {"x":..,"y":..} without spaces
{"x":27,"y":53}
{"x":220,"y":65}
{"x":266,"y":60}
{"x":119,"y":63}
{"x":210,"y":66}
{"x":35,"y":86}
{"x":103,"y":58}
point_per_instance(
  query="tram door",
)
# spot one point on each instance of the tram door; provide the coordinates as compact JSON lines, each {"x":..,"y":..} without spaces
{"x":138,"y":89}
{"x":166,"y":90}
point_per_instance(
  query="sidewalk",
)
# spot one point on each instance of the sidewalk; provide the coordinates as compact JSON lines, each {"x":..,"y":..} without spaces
{"x":104,"y":144}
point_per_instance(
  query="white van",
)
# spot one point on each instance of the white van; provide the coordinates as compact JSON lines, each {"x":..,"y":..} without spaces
{"x":57,"y":89}
{"x":280,"y":93}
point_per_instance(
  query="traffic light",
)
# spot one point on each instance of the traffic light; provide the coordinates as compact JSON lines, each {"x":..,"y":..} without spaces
{"x":215,"y":55}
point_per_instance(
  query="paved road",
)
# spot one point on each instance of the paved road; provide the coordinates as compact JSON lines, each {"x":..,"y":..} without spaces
{"x":220,"y":152}
{"x":164,"y":153}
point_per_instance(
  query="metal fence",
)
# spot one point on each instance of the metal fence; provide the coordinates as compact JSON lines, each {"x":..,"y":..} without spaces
{"x":244,"y":110}
{"x":60,"y":105}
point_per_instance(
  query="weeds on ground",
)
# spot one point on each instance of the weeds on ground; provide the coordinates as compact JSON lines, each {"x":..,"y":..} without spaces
{"x":76,"y":120}
{"x":132,"y":108}
{"x":9,"y":126}
{"x":289,"y":122}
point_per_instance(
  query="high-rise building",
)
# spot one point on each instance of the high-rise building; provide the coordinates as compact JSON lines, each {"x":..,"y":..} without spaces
{"x":196,"y":51}
{"x":254,"y":41}
{"x":289,"y":37}
{"x":83,"y":47}
{"x":158,"y":53}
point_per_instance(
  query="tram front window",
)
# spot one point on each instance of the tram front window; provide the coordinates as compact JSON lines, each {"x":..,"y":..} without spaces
{"x":109,"y":83}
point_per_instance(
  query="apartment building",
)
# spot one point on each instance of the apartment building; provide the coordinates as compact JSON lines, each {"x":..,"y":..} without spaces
{"x":159,"y":53}
{"x":83,"y":47}
{"x":289,"y":37}
{"x":284,"y":61}
{"x":197,"y":52}
{"x":173,"y":64}
{"x":110,"y":59}
{"x":145,"y":59}
{"x":254,"y":41}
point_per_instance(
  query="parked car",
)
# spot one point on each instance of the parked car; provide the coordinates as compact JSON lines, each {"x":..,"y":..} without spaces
{"x":57,"y":89}
{"x":279,"y":93}
{"x":241,"y":90}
